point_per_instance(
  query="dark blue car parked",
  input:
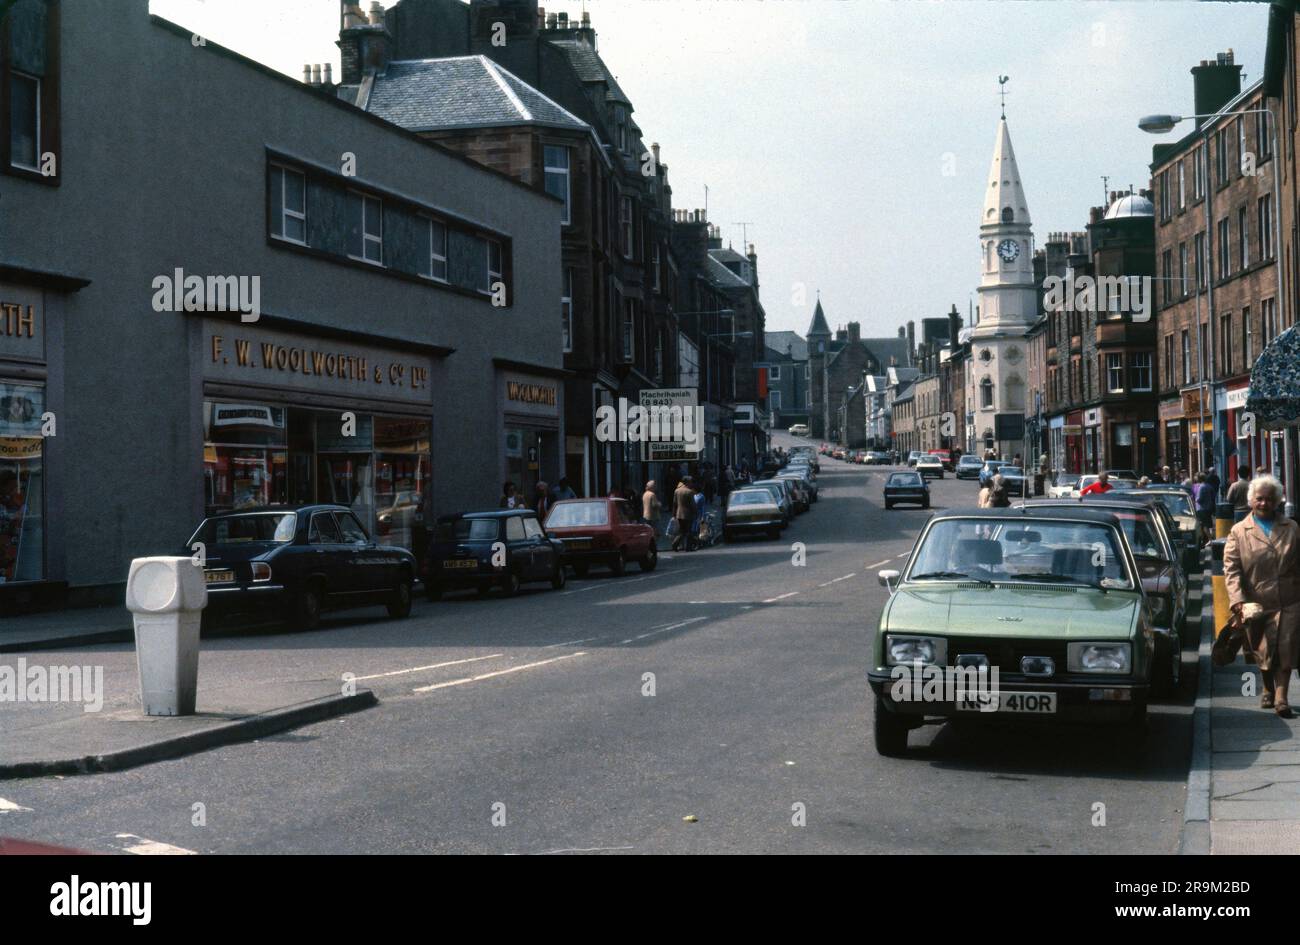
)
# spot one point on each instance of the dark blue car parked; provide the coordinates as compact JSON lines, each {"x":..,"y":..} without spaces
{"x":297,"y":562}
{"x":482,"y":550}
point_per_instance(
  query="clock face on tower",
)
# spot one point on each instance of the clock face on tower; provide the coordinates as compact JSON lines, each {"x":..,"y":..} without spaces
{"x":1008,"y":250}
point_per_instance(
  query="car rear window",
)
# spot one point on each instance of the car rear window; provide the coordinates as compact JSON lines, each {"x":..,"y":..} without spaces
{"x":235,"y":529}
{"x":750,"y":497}
{"x":467,"y":529}
{"x":578,"y":515}
{"x":904,"y":479}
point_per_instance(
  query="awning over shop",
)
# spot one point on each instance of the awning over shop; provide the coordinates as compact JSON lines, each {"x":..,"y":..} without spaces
{"x":1275,"y":382}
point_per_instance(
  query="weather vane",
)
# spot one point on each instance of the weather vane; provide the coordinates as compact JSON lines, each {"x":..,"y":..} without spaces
{"x":1002,"y":91}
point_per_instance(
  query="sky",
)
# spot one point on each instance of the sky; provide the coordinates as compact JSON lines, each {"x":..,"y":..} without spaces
{"x":854,"y":136}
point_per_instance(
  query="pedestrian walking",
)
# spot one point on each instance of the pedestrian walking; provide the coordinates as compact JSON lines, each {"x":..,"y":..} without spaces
{"x":1261,"y":567}
{"x":999,"y":497}
{"x":1101,"y":486}
{"x":651,"y":506}
{"x":543,"y":502}
{"x":1205,"y":494}
{"x":986,"y":495}
{"x":698,"y":523}
{"x":1238,"y":494}
{"x":683,"y":515}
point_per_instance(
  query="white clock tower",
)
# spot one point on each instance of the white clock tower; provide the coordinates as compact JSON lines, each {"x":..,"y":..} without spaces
{"x":1008,"y":301}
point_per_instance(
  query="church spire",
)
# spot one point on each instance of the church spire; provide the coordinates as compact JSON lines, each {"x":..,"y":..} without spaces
{"x":819,"y":326}
{"x":1004,"y":200}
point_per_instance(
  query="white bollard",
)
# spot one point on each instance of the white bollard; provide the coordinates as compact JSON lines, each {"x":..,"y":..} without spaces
{"x":167,"y":597}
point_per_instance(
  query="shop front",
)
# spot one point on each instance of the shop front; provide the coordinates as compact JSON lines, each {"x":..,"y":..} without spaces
{"x":290,"y":419}
{"x":22,"y":453}
{"x":1093,"y":444}
{"x":32,"y":565}
{"x":530,"y":403}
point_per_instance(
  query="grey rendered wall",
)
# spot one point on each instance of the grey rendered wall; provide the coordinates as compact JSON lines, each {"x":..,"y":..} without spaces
{"x":163,"y":166}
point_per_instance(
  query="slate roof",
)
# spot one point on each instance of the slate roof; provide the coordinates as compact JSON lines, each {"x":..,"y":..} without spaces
{"x":778,"y":341}
{"x":461,"y":92}
{"x":723,"y":277}
{"x":905,"y":392}
{"x":588,"y":65}
{"x":885,"y":348}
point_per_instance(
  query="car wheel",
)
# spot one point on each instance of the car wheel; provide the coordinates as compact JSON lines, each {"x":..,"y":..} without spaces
{"x":618,"y":564}
{"x":581,"y":569}
{"x":307,"y":609}
{"x":558,"y":577}
{"x":399,"y":606}
{"x":651,"y":559}
{"x":728,"y":535}
{"x":510,"y":583}
{"x":1167,"y":673}
{"x":890,"y":732}
{"x":433,"y":591}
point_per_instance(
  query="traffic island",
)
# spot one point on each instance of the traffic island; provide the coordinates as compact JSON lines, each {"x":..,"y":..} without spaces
{"x":37,"y":742}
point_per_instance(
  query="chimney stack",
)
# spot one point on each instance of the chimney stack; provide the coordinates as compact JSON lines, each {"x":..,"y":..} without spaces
{"x":1214,"y":84}
{"x":564,"y":21}
{"x":315,"y":74}
{"x":364,"y":45}
{"x":855,"y":332}
{"x":911,"y":339}
{"x":954,"y":327}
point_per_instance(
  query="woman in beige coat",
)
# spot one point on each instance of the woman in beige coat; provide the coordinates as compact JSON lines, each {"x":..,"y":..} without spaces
{"x":1261,"y":567}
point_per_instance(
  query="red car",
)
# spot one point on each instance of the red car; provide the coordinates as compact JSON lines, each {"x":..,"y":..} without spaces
{"x":601,"y":531}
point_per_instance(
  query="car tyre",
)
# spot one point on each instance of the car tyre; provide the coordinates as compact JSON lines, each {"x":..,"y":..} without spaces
{"x":307,"y":608}
{"x":925,"y":504}
{"x":651,"y":559}
{"x":510,"y":583}
{"x":618,"y":564}
{"x":728,"y":536}
{"x":890,"y":732}
{"x":558,"y":577}
{"x":774,"y":534}
{"x":399,"y":605}
{"x":1167,"y":674}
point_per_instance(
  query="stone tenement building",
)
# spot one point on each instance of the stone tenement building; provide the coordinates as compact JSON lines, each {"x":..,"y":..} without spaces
{"x":838,"y":363}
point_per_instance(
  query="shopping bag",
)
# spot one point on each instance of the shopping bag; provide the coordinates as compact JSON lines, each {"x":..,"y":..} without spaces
{"x":672,"y":528}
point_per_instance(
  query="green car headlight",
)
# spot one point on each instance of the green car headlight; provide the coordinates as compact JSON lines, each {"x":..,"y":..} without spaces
{"x":910,"y":649}
{"x":1115,"y":658}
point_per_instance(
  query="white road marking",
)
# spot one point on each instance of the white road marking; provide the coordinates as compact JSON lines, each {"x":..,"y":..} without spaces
{"x":845,"y":578}
{"x":499,"y":672}
{"x":9,"y":807}
{"x":153,"y":847}
{"x":903,"y":555}
{"x":878,"y":564}
{"x":551,"y":646}
{"x":420,"y":669}
{"x":582,"y":850}
{"x":612,"y":583}
{"x":671,"y":626}
{"x":773,"y":600}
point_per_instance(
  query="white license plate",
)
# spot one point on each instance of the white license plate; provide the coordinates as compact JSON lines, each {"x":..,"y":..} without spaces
{"x":218,"y":577}
{"x":461,"y":563}
{"x":1027,"y":703}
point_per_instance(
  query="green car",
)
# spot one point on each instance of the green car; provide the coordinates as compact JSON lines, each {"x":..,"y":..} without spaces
{"x":1003,"y":615}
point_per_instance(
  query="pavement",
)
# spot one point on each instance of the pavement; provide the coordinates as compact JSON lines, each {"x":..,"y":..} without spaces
{"x":59,"y":628}
{"x":1245,"y":780}
{"x":716,"y":704}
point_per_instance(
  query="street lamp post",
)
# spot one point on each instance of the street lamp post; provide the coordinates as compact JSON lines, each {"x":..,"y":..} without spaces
{"x":1162,"y":124}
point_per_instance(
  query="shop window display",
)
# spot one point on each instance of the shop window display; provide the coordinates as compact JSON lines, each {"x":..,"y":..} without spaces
{"x":22,"y":493}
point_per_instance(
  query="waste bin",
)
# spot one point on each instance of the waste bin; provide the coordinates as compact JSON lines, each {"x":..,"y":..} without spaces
{"x":167,"y":597}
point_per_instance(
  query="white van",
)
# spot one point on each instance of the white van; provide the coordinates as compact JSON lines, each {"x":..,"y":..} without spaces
{"x":799,"y":429}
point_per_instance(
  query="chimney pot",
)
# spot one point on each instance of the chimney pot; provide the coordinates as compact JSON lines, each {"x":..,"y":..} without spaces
{"x":586,"y":21}
{"x":329,"y":73}
{"x":306,"y":74}
{"x":564,"y":21}
{"x":552,"y":21}
{"x":376,"y":13}
{"x":315,"y":74}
